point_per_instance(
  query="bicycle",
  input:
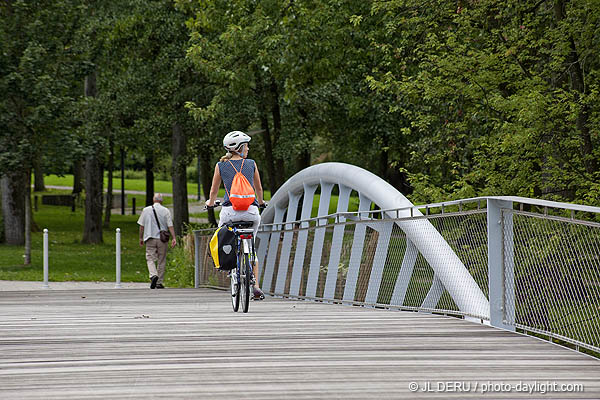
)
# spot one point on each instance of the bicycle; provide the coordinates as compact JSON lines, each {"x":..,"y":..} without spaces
{"x":242,"y":276}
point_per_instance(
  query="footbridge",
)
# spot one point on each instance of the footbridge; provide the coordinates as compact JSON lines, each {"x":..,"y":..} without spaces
{"x":336,"y":233}
{"x":370,"y":297}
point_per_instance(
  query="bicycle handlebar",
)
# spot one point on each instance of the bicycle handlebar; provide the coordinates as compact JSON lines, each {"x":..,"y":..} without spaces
{"x":217,"y":204}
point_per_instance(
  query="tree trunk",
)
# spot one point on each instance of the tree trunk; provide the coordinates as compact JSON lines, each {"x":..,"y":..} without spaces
{"x":92,"y":229}
{"x":399,"y":180}
{"x":27,"y":260}
{"x":262,"y":94}
{"x":13,"y":186}
{"x":109,"y":189}
{"x":122,"y":202}
{"x":38,"y":183}
{"x":77,"y":176}
{"x":303,"y":160}
{"x":206,"y":183}
{"x":276,"y":111}
{"x":384,"y":160}
{"x":199,"y":180}
{"x":264,"y":122}
{"x":179,"y":179}
{"x":582,"y":123}
{"x":149,"y":179}
{"x":577,"y":80}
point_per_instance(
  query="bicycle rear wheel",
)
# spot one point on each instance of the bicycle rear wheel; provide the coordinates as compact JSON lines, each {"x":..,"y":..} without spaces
{"x":235,"y":290}
{"x":245,"y":283}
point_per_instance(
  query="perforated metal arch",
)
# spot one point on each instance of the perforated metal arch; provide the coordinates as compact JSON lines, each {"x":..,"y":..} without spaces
{"x":422,"y":236}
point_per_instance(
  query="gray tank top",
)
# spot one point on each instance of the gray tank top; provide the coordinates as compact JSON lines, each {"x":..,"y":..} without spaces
{"x":228,"y":172}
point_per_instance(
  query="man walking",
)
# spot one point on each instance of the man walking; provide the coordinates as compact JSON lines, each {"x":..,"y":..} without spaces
{"x":153,"y":219}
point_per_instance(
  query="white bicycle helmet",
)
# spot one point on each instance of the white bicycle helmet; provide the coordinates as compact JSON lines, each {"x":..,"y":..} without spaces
{"x":233,"y":140}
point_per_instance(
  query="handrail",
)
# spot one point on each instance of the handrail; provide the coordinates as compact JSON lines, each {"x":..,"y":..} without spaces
{"x":514,"y":199}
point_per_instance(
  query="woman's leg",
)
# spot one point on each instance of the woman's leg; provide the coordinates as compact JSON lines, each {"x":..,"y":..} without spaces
{"x":225,"y":215}
{"x":254,"y":216}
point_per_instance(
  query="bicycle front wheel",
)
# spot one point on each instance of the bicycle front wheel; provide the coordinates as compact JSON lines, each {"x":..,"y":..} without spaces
{"x":245,"y":283}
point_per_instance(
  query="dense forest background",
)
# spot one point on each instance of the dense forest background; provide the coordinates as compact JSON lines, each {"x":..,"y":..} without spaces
{"x":443,"y":99}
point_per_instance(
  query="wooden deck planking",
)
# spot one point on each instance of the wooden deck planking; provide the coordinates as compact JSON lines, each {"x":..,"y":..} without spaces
{"x":189,"y":344}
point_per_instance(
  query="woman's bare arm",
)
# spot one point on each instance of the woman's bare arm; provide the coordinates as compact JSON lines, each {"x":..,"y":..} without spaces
{"x":214,"y":188}
{"x":257,"y":185}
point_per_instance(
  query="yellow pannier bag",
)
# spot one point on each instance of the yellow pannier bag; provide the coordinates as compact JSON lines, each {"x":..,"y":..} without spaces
{"x":222,"y":248}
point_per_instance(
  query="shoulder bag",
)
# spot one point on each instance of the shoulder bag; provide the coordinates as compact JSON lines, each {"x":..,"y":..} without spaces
{"x":164,"y":235}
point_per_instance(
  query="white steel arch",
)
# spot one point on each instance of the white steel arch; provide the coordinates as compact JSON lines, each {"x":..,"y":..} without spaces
{"x":448,"y":268}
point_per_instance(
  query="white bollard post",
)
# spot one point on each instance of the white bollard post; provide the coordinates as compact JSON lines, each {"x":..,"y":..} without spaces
{"x":118,"y":284}
{"x":45,"y":285}
{"x":196,"y":261}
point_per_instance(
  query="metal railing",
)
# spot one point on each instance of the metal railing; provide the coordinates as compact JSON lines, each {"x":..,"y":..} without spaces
{"x":552,"y":276}
{"x":205,"y":273}
{"x":536,"y":262}
{"x":365,"y":258}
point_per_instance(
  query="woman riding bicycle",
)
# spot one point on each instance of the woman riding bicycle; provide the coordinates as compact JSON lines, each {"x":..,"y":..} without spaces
{"x":236,"y":144}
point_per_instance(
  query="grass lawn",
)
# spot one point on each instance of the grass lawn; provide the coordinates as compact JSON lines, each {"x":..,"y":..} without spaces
{"x":140,"y":199}
{"x":71,"y":260}
{"x":130,"y":184}
{"x":165,"y":187}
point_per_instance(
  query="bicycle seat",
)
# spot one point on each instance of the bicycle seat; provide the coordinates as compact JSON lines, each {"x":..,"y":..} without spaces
{"x":242,"y":224}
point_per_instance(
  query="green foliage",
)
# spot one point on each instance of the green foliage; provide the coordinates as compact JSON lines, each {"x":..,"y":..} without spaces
{"x":495,"y":94}
{"x":180,"y":268}
{"x":38,"y":82}
{"x":462,"y":98}
{"x":277,"y":66}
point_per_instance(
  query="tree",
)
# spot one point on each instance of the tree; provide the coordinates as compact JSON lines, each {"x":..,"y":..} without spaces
{"x":494,"y":92}
{"x":275,"y":67}
{"x":13,"y":190}
{"x":146,"y":81}
{"x":38,"y":71}
{"x":100,"y":115}
{"x":94,"y":177}
{"x":227,"y":50}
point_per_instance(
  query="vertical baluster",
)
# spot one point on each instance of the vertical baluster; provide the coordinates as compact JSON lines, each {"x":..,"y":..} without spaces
{"x":272,"y":252}
{"x":385,"y":232}
{"x":406,"y":270}
{"x":336,"y":246}
{"x":434,"y":294}
{"x":284,"y":260}
{"x":357,"y":250}
{"x":309,"y":193}
{"x":318,"y":242}
{"x":262,"y":237}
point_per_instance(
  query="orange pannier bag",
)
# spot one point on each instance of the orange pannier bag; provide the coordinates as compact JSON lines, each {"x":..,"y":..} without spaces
{"x":242,"y":193}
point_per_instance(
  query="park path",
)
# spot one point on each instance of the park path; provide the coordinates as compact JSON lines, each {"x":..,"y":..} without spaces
{"x":190,"y":196}
{"x":68,"y":285}
{"x":187,"y":343}
{"x":194,"y":207}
